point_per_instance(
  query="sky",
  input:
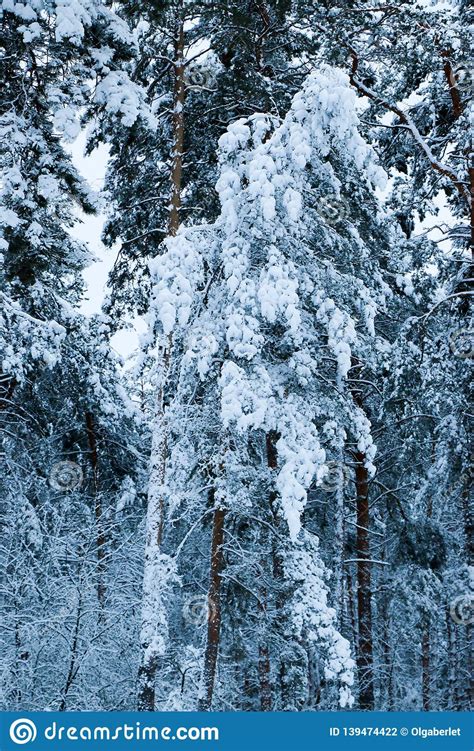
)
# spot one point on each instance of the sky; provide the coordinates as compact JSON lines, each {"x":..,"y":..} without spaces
{"x":88,"y":230}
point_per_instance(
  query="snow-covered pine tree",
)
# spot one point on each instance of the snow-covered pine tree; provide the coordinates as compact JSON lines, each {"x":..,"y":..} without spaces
{"x":236,"y":61}
{"x":239,"y":629}
{"x":269,"y":308}
{"x":414,"y":69}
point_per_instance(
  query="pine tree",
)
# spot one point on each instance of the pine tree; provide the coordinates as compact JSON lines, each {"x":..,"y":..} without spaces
{"x":274,"y":308}
{"x":64,"y":410}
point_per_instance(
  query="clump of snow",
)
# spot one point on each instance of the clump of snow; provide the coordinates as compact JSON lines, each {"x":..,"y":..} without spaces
{"x":123,"y":98}
{"x":313,"y":617}
{"x":65,"y":121}
{"x":176,"y":275}
{"x":71,"y":18}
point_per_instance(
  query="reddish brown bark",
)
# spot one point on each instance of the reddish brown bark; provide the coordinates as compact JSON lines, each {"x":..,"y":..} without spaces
{"x":453,"y":85}
{"x":149,"y":666}
{"x":178,"y":133}
{"x":264,"y":670}
{"x":469,"y":545}
{"x":364,"y":594}
{"x":214,"y":611}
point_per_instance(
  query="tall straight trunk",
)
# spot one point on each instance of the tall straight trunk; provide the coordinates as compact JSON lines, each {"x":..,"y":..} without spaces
{"x":365,"y":661}
{"x":152,"y":605}
{"x":99,"y":526}
{"x":214,"y":611}
{"x":264,"y":663}
{"x":264,"y":670}
{"x":339,"y":545}
{"x":386,"y":631}
{"x":365,"y":666}
{"x":351,"y":607}
{"x":452,"y":663}
{"x":178,"y":133}
{"x":153,"y":623}
{"x":426,"y":635}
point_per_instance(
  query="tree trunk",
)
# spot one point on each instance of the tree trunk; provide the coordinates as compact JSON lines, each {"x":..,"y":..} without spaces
{"x":73,"y":662}
{"x":365,"y":666}
{"x":339,"y":546}
{"x":364,"y":595}
{"x":178,"y":133}
{"x":452,"y":84}
{"x":264,"y":671}
{"x":152,"y":606}
{"x":264,"y":665}
{"x":214,"y":611}
{"x":451,"y":655}
{"x":100,"y":535}
{"x":153,"y":625}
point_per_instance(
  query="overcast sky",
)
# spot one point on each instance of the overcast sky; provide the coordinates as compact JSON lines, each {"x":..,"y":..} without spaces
{"x":89,"y":231}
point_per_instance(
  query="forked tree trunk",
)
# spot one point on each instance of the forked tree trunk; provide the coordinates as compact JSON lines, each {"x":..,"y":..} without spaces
{"x":153,"y":614}
{"x":214,"y":611}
